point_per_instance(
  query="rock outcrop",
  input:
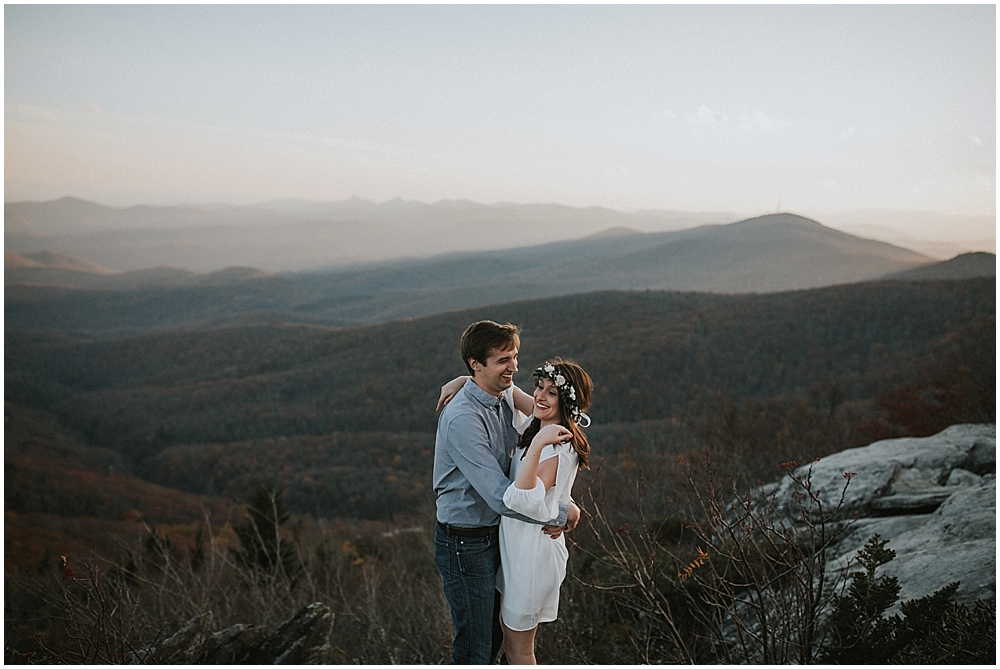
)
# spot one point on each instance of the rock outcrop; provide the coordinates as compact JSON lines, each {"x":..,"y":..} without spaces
{"x":933,"y":498}
{"x":302,"y":639}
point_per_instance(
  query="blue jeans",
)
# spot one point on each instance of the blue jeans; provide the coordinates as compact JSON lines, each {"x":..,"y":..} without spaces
{"x":468,"y":567}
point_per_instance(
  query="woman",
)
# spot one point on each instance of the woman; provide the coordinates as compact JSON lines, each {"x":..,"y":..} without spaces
{"x":551,"y":449}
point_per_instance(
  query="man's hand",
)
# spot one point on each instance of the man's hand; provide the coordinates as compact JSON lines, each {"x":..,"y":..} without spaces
{"x":554,"y":531}
{"x":572,"y":520}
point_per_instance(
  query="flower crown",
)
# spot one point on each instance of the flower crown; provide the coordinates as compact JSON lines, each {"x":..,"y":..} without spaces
{"x":567,"y":393}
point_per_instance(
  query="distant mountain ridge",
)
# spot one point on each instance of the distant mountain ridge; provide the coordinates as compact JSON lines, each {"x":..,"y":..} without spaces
{"x":292,"y":235}
{"x":773,"y":253}
{"x":70,"y":216}
{"x":940,"y":236}
{"x":964,"y":266}
{"x":50,"y":268}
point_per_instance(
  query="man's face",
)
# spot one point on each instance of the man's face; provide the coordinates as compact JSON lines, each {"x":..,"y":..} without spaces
{"x":497,"y":375}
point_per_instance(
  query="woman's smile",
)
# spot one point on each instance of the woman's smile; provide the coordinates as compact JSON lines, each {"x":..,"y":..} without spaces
{"x":546,"y":402}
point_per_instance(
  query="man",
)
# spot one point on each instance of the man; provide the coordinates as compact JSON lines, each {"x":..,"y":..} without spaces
{"x":475,"y":439}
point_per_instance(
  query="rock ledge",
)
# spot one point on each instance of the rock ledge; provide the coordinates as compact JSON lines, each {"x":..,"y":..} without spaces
{"x":933,"y":498}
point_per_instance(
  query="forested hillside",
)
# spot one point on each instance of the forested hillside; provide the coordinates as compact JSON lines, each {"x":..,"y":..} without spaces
{"x":219,"y":410}
{"x":138,"y":452}
{"x":63,"y":496}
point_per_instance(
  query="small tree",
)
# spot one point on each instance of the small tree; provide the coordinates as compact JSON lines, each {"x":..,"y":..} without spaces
{"x":264,"y":552}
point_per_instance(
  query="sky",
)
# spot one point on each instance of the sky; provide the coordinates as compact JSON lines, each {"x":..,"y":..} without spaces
{"x":740,"y":108}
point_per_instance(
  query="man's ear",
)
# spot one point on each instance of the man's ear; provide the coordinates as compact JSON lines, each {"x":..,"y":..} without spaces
{"x":475,"y":365}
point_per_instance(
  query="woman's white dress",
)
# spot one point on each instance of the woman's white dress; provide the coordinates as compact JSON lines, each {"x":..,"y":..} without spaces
{"x":532,"y":564}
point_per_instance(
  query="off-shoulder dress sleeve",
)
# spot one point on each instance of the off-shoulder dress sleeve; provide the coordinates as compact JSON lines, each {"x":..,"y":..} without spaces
{"x":534,"y":503}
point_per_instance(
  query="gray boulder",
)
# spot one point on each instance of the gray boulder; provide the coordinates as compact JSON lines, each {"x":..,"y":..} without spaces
{"x":933,"y":498}
{"x":232,"y":645}
{"x":908,"y":469}
{"x":181,"y":647}
{"x":302,"y":639}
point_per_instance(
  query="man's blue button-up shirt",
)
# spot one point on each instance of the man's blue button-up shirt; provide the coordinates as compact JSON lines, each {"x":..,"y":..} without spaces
{"x":472,"y":454}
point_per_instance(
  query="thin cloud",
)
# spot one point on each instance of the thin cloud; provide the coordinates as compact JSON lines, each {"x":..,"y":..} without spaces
{"x":31,"y":111}
{"x":754,"y":121}
{"x":747,"y":122}
{"x":707,"y":116}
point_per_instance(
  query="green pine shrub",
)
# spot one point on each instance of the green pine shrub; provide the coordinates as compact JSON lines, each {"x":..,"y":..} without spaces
{"x":928,"y":630}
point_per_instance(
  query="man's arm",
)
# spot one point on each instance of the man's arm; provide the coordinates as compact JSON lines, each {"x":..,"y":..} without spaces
{"x":572,"y":520}
{"x":468,"y":445}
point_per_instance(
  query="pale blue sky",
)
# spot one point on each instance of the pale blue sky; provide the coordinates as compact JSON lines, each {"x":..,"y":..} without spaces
{"x":692,"y":107}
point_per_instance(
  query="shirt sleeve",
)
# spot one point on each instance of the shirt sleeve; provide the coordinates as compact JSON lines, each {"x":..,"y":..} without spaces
{"x":468,"y":445}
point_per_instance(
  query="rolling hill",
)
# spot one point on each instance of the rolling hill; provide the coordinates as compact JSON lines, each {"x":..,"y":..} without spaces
{"x":227,"y":408}
{"x":13,"y":262}
{"x":110,"y":441}
{"x":291,"y":235}
{"x":767,"y":254}
{"x":964,"y":266}
{"x":635,"y":339}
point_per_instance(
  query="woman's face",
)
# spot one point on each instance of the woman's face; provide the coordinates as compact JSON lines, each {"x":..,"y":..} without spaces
{"x":546,"y":402}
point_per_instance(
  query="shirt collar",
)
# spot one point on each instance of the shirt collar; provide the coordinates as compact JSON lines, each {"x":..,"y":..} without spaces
{"x":481,"y":396}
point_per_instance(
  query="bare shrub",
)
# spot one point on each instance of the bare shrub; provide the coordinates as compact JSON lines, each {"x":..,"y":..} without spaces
{"x":380,"y":583}
{"x":729,"y":577}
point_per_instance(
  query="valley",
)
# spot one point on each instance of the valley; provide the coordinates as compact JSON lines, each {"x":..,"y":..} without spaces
{"x":145,"y":409}
{"x":343,"y":418}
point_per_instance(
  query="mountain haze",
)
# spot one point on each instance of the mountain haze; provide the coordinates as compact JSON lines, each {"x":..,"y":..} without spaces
{"x":56,"y":261}
{"x":69,"y":216}
{"x":771,"y":253}
{"x":940,"y":236}
{"x":766,"y":254}
{"x":964,"y":266}
{"x":292,"y":235}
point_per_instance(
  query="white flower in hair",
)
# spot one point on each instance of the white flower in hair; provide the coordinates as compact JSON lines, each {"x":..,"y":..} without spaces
{"x":567,"y":393}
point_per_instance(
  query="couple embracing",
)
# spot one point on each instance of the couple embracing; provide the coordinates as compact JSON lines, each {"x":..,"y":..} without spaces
{"x":504,"y":466}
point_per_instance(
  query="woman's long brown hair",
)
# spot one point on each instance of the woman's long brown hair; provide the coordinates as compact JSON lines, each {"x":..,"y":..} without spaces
{"x":584,"y":386}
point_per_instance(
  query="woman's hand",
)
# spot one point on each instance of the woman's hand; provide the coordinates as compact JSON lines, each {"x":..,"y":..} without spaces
{"x":450,"y":389}
{"x":551,"y":434}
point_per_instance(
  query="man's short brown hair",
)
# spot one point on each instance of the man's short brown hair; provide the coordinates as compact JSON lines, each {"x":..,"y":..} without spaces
{"x":483,"y":337}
